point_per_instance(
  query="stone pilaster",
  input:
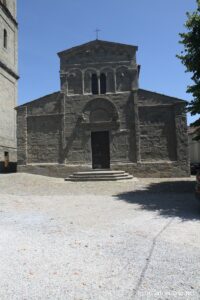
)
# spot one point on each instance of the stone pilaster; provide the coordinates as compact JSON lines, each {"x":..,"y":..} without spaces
{"x":181,"y":133}
{"x":137,"y":127}
{"x":22,"y":135}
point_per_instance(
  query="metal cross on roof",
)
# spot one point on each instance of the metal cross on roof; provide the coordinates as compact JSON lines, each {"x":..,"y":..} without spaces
{"x":97,"y":33}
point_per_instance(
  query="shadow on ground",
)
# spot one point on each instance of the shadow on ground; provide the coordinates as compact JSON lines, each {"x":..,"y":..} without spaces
{"x":170,"y":199}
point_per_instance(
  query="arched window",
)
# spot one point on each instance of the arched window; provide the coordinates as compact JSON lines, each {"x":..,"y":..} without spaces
{"x":123,"y":79}
{"x":107,"y":81}
{"x":94,"y":84}
{"x":5,"y":38}
{"x":103,"y":83}
{"x":75,"y":82}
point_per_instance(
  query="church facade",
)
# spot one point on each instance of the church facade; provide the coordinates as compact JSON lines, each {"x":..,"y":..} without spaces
{"x":101,"y":119}
{"x":8,"y":84}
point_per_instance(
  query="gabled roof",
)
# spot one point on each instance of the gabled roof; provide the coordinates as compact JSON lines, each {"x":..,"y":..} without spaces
{"x":97,"y":43}
{"x":44,"y":98}
{"x":151,"y":97}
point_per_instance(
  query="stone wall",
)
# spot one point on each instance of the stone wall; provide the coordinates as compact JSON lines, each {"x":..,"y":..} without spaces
{"x":157,"y":133}
{"x":8,"y":86}
{"x":9,"y":55}
{"x":8,"y":90}
{"x":77,"y":132}
{"x":22,"y":135}
{"x":140,"y":170}
{"x":10,"y":7}
{"x":40,"y":130}
{"x":44,"y":138}
{"x":54,"y":128}
{"x":57,"y":129}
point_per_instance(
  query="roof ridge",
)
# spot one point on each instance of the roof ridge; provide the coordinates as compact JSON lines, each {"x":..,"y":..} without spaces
{"x":163,"y":95}
{"x":40,"y":98}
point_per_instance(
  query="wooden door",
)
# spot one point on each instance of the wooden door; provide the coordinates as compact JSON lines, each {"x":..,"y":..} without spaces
{"x":100,"y":150}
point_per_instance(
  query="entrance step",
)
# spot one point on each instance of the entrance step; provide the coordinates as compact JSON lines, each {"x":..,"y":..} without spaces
{"x":101,"y":175}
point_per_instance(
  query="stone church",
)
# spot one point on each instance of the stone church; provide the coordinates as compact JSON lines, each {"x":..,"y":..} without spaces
{"x":101,"y":119}
{"x":8,"y":84}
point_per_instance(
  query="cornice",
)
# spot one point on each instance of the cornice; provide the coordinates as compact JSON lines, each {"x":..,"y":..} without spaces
{"x":8,"y":13}
{"x":8,"y":70}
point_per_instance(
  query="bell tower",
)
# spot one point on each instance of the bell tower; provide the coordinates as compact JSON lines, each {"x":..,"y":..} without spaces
{"x":8,"y":84}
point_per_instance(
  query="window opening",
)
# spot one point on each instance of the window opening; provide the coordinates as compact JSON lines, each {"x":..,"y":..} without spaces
{"x":103,"y":83}
{"x":6,"y":159}
{"x":94,"y":84}
{"x":5,"y":38}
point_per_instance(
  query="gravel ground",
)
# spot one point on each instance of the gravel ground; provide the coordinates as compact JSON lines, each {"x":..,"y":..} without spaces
{"x":137,"y":239}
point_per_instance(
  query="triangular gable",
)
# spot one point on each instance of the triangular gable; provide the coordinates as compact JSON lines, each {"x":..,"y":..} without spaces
{"x":98,"y":50}
{"x":146,"y":97}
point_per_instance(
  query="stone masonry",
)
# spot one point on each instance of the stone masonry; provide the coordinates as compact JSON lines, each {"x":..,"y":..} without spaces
{"x":100,"y":119}
{"x":8,"y":84}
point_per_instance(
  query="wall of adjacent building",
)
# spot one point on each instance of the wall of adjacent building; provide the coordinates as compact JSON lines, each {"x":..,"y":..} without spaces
{"x":8,"y":81}
{"x":194,"y":150}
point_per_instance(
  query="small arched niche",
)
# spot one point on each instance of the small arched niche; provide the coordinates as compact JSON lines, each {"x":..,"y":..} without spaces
{"x":90,"y":82}
{"x":100,"y":115}
{"x":123,"y":79}
{"x":109,"y":80}
{"x":100,"y":111}
{"x":74,"y":80}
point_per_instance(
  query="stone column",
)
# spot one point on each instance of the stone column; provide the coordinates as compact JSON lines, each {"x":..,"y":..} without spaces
{"x":83,"y":83}
{"x":99,"y":84}
{"x":115,"y":81}
{"x":67,"y":92}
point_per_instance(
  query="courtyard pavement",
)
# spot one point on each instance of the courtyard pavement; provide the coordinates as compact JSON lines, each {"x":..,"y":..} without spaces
{"x":137,"y":239}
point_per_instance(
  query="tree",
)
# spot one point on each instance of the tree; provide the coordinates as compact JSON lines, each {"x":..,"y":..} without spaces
{"x":190,"y":57}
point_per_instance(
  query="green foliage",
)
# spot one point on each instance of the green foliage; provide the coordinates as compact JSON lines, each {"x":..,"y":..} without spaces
{"x":190,"y":57}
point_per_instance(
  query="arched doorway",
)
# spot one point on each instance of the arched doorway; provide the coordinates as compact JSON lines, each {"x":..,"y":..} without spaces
{"x":100,"y":143}
{"x":100,"y":118}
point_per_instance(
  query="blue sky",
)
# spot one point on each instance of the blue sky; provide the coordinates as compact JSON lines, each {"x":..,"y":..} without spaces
{"x":49,"y":26}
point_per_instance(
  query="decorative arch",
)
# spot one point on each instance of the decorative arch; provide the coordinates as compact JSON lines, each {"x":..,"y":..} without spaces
{"x":110,"y":79}
{"x":74,"y":80}
{"x":123,"y":79}
{"x":90,"y":76}
{"x":100,"y":111}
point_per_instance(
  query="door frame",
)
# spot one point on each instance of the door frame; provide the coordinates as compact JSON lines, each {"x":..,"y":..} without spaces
{"x":108,"y":147}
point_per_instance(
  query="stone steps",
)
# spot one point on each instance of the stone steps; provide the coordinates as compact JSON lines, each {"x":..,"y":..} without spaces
{"x":101,"y":175}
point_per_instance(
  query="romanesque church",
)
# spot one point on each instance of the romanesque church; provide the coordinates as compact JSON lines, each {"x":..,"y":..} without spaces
{"x":101,"y":119}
